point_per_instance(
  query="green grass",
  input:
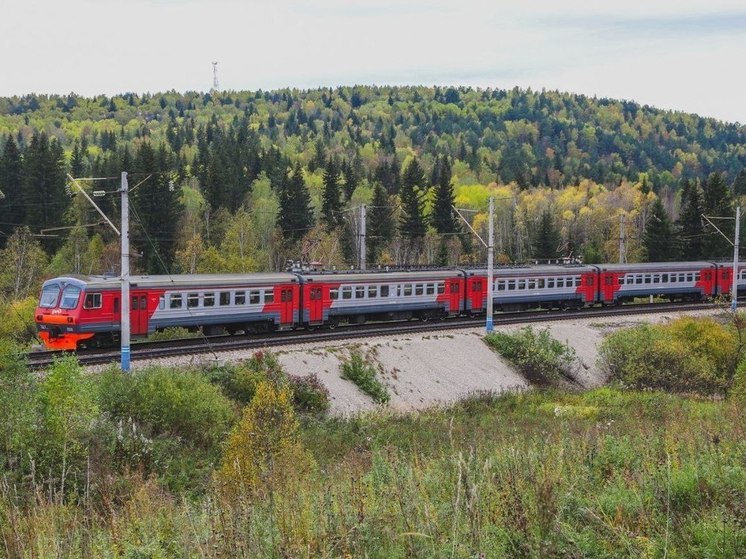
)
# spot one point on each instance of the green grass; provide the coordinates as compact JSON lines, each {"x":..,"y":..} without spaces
{"x":363,"y":374}
{"x":606,"y":473}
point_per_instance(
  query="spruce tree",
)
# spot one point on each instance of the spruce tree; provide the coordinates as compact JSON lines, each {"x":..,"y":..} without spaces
{"x":548,"y":238}
{"x":689,"y":224}
{"x":331,"y":205}
{"x":718,"y":203}
{"x":442,"y":218}
{"x":44,"y":193}
{"x":295,"y":217}
{"x":412,"y":194}
{"x":11,"y":203}
{"x":739,"y":185}
{"x":659,"y":238}
{"x":380,"y":226}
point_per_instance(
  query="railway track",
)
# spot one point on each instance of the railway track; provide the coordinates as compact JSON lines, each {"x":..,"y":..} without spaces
{"x":218,"y":344}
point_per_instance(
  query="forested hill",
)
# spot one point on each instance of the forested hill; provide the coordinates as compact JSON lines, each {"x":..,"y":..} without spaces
{"x":532,"y":138}
{"x":238,"y":181}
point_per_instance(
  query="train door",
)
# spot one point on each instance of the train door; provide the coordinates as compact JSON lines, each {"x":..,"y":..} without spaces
{"x":454,"y":288}
{"x":315,"y":305}
{"x":139,"y":314}
{"x":286,"y":305}
{"x":478,"y":288}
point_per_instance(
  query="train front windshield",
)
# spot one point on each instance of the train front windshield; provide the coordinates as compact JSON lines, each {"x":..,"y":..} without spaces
{"x":70,"y":296}
{"x":49,"y":296}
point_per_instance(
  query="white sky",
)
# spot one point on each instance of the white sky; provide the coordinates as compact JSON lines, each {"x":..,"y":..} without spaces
{"x":674,"y":54}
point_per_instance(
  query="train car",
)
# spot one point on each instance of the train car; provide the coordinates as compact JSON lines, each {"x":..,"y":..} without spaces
{"x":84,"y":311}
{"x":521,"y":288}
{"x":676,"y":281}
{"x":725,"y":279}
{"x":334,"y":298}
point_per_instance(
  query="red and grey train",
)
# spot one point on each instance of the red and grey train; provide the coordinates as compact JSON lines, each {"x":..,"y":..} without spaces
{"x":79,"y":311}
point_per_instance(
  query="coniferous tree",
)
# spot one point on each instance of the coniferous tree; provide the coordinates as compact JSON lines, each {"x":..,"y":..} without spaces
{"x":412,"y":194}
{"x":548,"y":238}
{"x":295,"y":217}
{"x":718,"y":202}
{"x":659,"y":238}
{"x":690,"y":228}
{"x":11,"y":203}
{"x":739,"y":185}
{"x":44,"y":183}
{"x":331,"y":204}
{"x":442,"y":217}
{"x":380,"y":226}
{"x":77,"y":160}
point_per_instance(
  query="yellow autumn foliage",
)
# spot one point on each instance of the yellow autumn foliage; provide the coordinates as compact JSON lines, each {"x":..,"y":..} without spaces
{"x":264,"y":452}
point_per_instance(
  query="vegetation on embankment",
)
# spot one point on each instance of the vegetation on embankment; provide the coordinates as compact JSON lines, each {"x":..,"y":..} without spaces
{"x":156,"y":464}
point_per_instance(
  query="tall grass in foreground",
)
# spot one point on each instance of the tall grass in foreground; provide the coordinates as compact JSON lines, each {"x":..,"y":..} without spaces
{"x":601,"y":474}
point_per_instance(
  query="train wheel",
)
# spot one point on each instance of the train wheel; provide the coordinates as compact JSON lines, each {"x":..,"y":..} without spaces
{"x":333,"y":323}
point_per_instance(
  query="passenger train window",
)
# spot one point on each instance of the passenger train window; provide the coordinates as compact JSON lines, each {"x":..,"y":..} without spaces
{"x":511,"y":285}
{"x":696,"y":276}
{"x":174,"y":301}
{"x":673,"y":278}
{"x":254,"y":297}
{"x":192,"y":300}
{"x":134,"y":306}
{"x":161,"y":302}
{"x":540,"y":283}
{"x":239,"y":298}
{"x":589,"y":281}
{"x":407,"y":289}
{"x":454,"y":287}
{"x":550,"y":283}
{"x":577,"y":281}
{"x":209,"y":300}
{"x":501,"y":285}
{"x":360,"y":292}
{"x":532,"y":284}
{"x":476,"y":286}
{"x":664,"y":278}
{"x":418,"y":289}
{"x":286,"y":295}
{"x":225,"y":298}
{"x":638,"y":279}
{"x":347,"y":292}
{"x":384,"y":291}
{"x":441,"y":288}
{"x":372,"y":291}
{"x":70,"y":296}
{"x":560,"y":282}
{"x":334,"y":294}
{"x":92,"y":301}
{"x":621,"y":280}
{"x":269,"y":296}
{"x":430,"y":289}
{"x":521,"y":284}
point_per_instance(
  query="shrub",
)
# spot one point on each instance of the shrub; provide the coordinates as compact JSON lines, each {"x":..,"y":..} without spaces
{"x":689,"y":355}
{"x":309,"y":394}
{"x":169,"y":402}
{"x":176,"y":333}
{"x":18,"y":387}
{"x":67,"y":418}
{"x":18,"y":320}
{"x":738,"y":388}
{"x":537,"y":355}
{"x":364,"y":376}
{"x":239,"y":381}
{"x":264,"y":451}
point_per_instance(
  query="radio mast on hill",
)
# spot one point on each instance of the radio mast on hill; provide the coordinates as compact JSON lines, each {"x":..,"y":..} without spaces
{"x":215,"y":86}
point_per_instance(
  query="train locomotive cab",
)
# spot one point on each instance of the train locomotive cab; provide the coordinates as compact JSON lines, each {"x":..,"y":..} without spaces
{"x":58,"y":314}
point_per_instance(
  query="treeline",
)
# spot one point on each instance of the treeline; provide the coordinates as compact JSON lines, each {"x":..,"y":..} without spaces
{"x":243,"y":181}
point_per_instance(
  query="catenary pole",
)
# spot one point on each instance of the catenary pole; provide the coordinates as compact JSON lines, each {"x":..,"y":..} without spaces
{"x":490,"y":266}
{"x":125,"y":279}
{"x":363,"y":248}
{"x":734,"y":287}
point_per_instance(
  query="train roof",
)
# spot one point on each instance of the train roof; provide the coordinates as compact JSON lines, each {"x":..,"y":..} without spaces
{"x":655,"y":266}
{"x":178,"y":280}
{"x":538,"y":270}
{"x":380,"y":276}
